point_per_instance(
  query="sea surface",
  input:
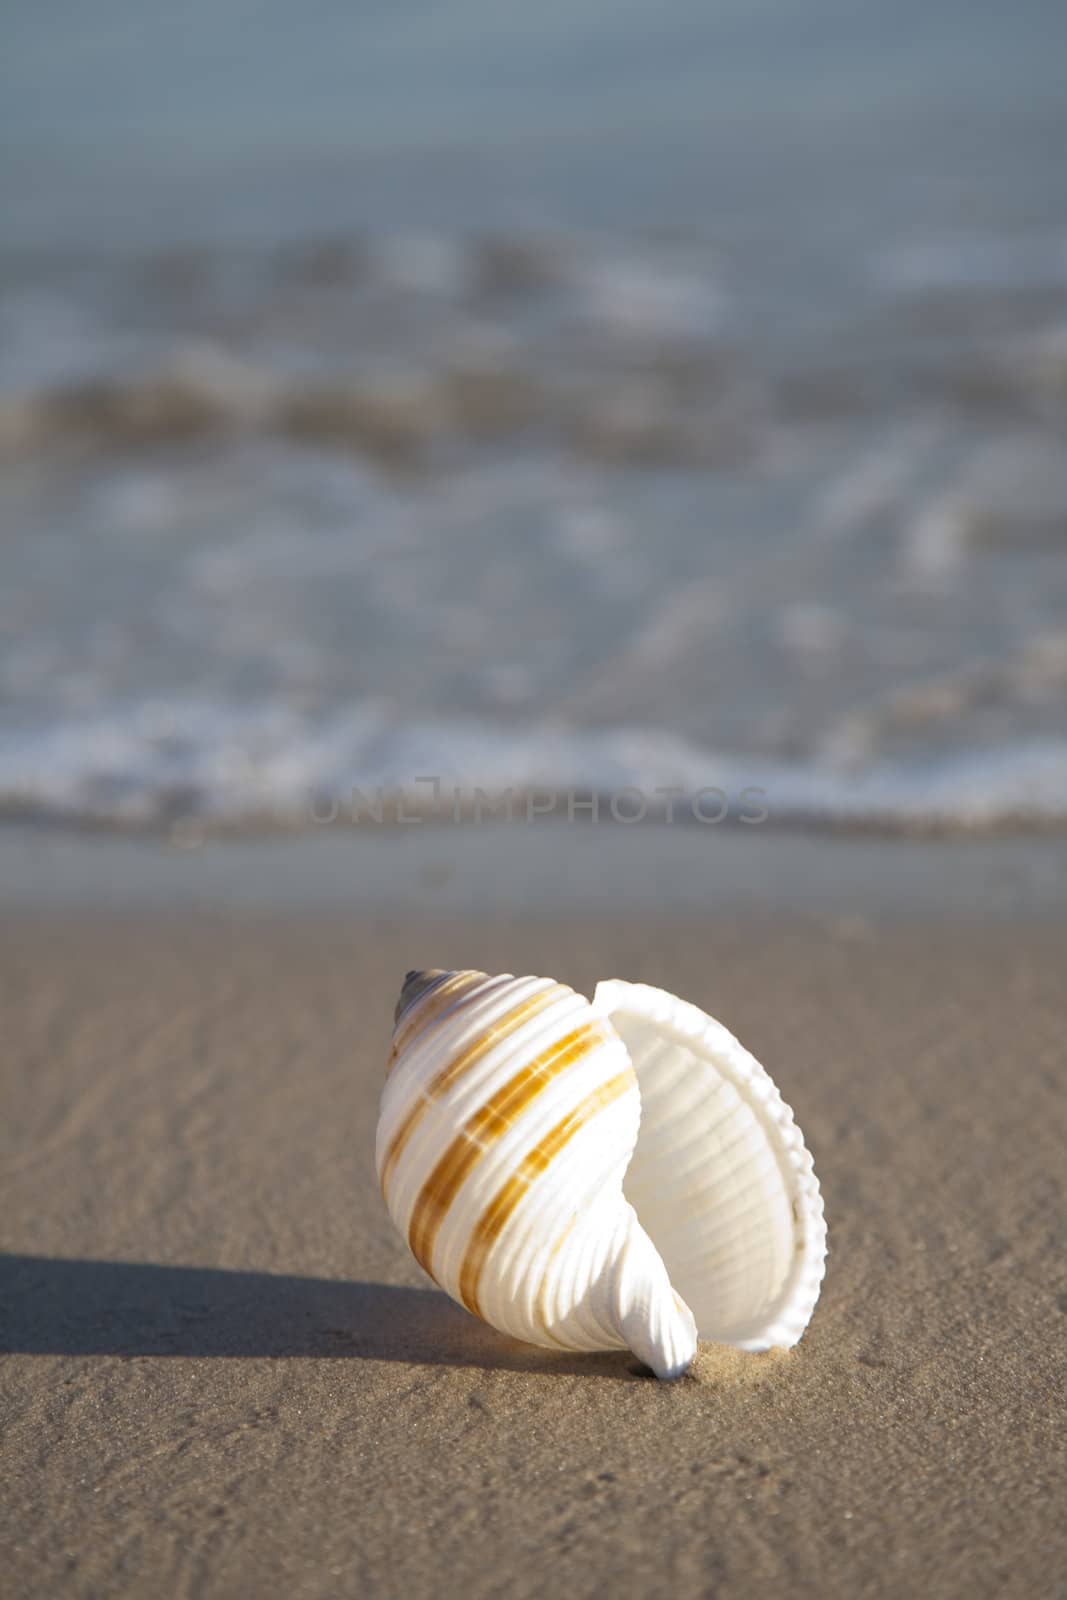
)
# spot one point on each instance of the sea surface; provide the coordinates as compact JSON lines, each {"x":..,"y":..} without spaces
{"x":593,"y":397}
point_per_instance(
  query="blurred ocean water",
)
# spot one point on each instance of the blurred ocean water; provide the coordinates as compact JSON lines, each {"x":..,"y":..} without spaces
{"x":591,"y":397}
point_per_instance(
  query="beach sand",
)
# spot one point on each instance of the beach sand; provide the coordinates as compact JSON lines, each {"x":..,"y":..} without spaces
{"x":223,"y":1376}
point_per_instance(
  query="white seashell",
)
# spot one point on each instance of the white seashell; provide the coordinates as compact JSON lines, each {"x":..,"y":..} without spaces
{"x":524,"y":1131}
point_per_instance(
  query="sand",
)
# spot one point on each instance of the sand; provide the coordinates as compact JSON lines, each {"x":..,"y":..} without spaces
{"x":223,"y":1376}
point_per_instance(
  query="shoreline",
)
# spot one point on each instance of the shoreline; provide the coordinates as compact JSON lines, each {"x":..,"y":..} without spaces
{"x":546,"y":871}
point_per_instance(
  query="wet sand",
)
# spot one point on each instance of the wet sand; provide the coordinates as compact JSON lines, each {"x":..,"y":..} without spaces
{"x":223,"y":1376}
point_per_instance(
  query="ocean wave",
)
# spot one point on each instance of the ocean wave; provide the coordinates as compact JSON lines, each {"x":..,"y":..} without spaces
{"x":400,"y":419}
{"x":175,"y":764}
{"x":397,"y":346}
{"x":862,"y":568}
{"x":968,"y":262}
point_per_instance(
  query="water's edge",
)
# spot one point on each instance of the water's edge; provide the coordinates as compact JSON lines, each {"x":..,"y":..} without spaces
{"x":425,"y":874}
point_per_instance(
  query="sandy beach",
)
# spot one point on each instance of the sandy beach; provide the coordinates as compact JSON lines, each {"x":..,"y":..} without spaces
{"x":575,"y":492}
{"x":223,"y":1376}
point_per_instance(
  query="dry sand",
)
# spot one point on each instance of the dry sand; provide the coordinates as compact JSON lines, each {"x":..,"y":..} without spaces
{"x":224,"y":1377}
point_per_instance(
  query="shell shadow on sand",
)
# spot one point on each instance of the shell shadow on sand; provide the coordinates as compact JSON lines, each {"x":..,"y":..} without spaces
{"x":60,"y":1307}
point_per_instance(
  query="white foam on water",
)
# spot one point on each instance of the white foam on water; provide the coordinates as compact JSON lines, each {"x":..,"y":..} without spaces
{"x":47,"y":337}
{"x":633,"y":298}
{"x":962,"y":261}
{"x":152,"y":763}
{"x":618,"y":512}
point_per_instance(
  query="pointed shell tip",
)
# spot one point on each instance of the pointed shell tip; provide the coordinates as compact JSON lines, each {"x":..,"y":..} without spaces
{"x":415,"y":982}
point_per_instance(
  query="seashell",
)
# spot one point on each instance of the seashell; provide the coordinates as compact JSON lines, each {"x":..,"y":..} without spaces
{"x":597,"y":1175}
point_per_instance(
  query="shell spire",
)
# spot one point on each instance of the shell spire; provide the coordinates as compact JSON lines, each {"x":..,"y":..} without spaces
{"x":620,"y":1174}
{"x":415,"y":984}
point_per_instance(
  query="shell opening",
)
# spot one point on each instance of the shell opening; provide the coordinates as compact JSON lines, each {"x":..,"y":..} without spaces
{"x":720,"y":1179}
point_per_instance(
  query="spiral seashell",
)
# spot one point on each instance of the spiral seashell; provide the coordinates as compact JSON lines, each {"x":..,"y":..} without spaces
{"x":595,"y":1176}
